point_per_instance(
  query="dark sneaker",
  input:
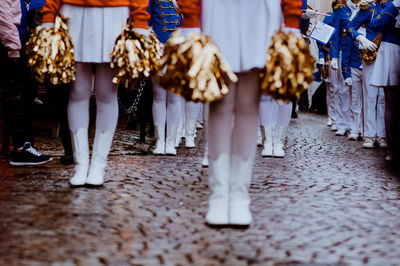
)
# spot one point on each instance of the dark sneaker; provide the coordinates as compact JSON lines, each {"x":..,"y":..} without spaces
{"x":27,"y":155}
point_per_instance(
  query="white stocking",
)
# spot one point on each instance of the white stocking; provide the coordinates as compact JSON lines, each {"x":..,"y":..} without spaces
{"x":268,"y":110}
{"x":106,"y":98}
{"x":166,"y":106}
{"x":284,"y":114}
{"x":242,"y":104}
{"x":79,"y":97}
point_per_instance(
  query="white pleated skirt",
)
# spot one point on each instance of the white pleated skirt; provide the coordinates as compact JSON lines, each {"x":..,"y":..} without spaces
{"x":93,"y":30}
{"x":386,"y":70}
{"x":245,"y":32}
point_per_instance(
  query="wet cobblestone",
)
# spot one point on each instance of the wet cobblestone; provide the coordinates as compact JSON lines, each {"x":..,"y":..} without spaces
{"x":328,"y":202}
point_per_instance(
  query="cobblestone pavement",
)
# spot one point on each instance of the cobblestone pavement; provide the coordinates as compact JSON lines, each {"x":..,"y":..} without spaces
{"x":329,"y":202}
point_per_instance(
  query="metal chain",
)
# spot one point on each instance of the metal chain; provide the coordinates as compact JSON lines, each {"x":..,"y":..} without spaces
{"x":135,"y":103}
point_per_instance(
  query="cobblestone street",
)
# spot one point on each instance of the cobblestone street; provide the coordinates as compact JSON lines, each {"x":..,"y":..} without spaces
{"x":329,"y":201}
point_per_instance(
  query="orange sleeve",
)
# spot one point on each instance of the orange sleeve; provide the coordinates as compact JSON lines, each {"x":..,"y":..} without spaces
{"x":292,"y":12}
{"x":139,"y":13}
{"x":50,"y":10}
{"x":191,"y":13}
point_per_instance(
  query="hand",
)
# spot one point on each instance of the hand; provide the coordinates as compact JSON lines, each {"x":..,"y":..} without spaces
{"x":292,"y":30}
{"x":309,"y":13}
{"x":366,"y":44}
{"x":47,"y":25}
{"x":348,"y":82}
{"x":334,"y":63}
{"x":321,"y":61}
{"x":142,"y":31}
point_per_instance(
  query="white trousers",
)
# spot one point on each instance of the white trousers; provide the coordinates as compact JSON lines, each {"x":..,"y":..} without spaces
{"x":356,"y":119}
{"x":374,"y":105}
{"x":342,"y":98}
{"x":333,"y":91}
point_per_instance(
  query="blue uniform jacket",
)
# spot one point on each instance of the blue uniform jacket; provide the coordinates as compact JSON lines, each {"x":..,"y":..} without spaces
{"x":385,"y":22}
{"x":164,"y":18}
{"x":364,"y":17}
{"x":350,"y":57}
{"x":322,"y":51}
{"x":341,"y":19}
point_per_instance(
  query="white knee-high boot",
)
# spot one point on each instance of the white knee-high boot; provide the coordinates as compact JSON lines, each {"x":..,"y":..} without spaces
{"x":279,"y":138}
{"x":218,"y":209}
{"x":80,"y":147}
{"x":101,"y":148}
{"x":160,"y":144}
{"x":170,"y":140}
{"x":190,"y":133}
{"x":239,"y":183}
{"x":267,"y":150}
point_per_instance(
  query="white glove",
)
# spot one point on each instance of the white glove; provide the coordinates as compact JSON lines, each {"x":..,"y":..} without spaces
{"x":293,"y":30}
{"x":366,"y":44}
{"x":348,"y":82}
{"x":309,"y":13}
{"x":142,"y":31}
{"x":334,"y":63}
{"x":47,"y":25}
{"x":321,"y":61}
{"x":396,"y":3}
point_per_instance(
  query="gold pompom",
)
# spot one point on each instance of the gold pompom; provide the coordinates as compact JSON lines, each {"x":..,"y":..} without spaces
{"x":135,"y":56}
{"x":51,"y":53}
{"x":289,"y":67}
{"x":368,"y":56}
{"x":193,"y":67}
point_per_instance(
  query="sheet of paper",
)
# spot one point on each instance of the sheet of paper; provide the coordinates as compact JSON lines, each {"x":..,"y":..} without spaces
{"x":322,"y":32}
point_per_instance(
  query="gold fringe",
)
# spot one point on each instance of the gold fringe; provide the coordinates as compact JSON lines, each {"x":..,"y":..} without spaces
{"x":194,"y":68}
{"x":135,"y":56}
{"x":51,"y":53}
{"x":368,"y":56}
{"x":289,"y":67}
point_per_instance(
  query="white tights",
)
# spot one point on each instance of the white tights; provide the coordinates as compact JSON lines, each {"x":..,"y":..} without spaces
{"x":273,"y":113}
{"x":166,"y":106}
{"x":106,"y":97}
{"x":240,"y":105}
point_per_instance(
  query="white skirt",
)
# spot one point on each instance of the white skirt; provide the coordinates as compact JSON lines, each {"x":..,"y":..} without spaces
{"x":386,"y":70}
{"x":242,"y":29}
{"x":93,"y":30}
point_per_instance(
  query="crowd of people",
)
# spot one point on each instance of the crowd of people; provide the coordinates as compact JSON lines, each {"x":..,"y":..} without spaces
{"x":360,"y":95}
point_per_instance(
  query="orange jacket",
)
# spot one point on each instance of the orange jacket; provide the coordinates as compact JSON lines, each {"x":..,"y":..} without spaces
{"x":191,"y":13}
{"x":191,"y":10}
{"x":292,"y":12}
{"x":139,"y":14}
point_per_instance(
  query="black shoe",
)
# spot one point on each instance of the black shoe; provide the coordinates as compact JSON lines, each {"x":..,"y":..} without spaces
{"x":27,"y":155}
{"x":67,"y":159}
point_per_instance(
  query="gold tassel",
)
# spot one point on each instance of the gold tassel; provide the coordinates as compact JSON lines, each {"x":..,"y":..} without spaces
{"x":289,"y":67}
{"x":51,"y":53}
{"x":193,"y":67}
{"x":135,"y":56}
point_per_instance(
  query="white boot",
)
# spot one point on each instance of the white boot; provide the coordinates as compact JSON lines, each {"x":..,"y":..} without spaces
{"x":170,"y":140}
{"x":190,"y":125}
{"x":239,"y":183}
{"x":80,"y":147}
{"x":101,"y":148}
{"x":180,"y":132}
{"x":160,"y":144}
{"x":218,"y":209}
{"x":205,"y":161}
{"x":267,"y":150}
{"x":279,"y":138}
{"x":259,"y":136}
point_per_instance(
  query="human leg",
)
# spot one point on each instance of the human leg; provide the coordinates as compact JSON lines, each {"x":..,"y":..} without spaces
{"x":243,"y":147}
{"x":106,"y":122}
